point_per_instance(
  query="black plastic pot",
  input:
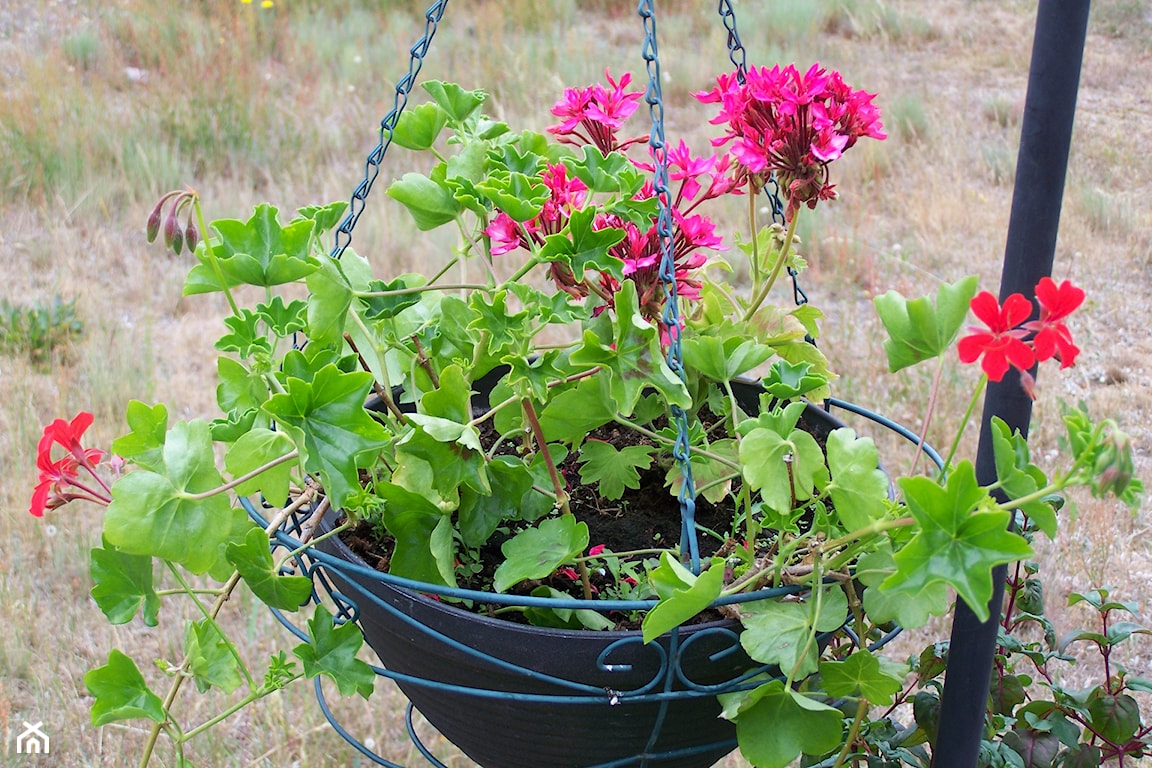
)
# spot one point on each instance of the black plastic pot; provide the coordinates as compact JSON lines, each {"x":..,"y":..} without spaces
{"x":516,"y":696}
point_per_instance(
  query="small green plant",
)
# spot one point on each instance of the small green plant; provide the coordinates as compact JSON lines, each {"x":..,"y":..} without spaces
{"x":38,"y":330}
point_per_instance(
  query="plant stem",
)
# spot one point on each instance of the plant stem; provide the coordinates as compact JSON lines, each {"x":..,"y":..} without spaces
{"x":755,"y":271}
{"x":661,"y":439}
{"x":553,"y":473}
{"x":212,"y":255}
{"x":291,"y":455}
{"x":178,"y":680}
{"x":932,"y":395}
{"x":422,"y":289}
{"x":785,"y":249}
{"x":963,"y":425}
{"x":853,"y":732}
{"x":212,"y":620}
{"x":253,"y":695}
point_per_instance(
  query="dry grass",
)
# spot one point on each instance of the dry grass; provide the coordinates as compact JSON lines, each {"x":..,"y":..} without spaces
{"x":105,"y":106}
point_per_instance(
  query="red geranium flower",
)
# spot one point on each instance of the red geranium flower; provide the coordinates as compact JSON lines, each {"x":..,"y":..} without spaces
{"x":1001,"y":343}
{"x":1053,"y":339}
{"x":60,"y":480}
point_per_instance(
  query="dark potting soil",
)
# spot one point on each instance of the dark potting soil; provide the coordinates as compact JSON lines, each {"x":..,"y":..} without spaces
{"x":643,"y":518}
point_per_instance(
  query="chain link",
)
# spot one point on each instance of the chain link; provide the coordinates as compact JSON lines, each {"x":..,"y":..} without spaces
{"x":418,"y":51}
{"x":736,"y":52}
{"x":681,"y":451}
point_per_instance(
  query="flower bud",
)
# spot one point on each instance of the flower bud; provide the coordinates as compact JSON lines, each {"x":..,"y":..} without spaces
{"x":173,"y":236}
{"x":153,"y":227}
{"x":191,"y":235}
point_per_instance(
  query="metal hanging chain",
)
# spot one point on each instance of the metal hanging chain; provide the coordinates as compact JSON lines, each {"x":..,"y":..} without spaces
{"x":736,"y":50}
{"x":418,"y":51}
{"x":681,"y":451}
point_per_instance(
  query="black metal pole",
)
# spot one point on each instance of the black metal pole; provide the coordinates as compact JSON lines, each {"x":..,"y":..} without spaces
{"x":1046,"y":135}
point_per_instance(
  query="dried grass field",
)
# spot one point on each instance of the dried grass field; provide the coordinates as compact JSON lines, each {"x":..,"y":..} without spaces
{"x":106,"y":105}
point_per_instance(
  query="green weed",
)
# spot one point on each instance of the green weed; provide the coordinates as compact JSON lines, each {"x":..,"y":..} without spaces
{"x":40,"y":331}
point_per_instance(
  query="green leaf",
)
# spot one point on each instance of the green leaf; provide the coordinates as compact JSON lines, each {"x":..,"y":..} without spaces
{"x":777,"y":724}
{"x":611,"y":469}
{"x":1019,"y":476}
{"x":629,"y":351}
{"x":255,"y":449}
{"x":121,"y":693}
{"x":573,"y":413}
{"x":240,"y":390}
{"x":600,"y":173}
{"x":283,"y":319}
{"x":481,"y":514}
{"x":582,"y":247}
{"x":784,"y":471}
{"x":155,"y":514}
{"x":145,"y":443}
{"x":253,"y":560}
{"x":783,"y":633}
{"x":959,"y":542}
{"x":325,"y":216}
{"x":412,"y":519}
{"x":682,"y":594}
{"x":331,"y":426}
{"x":122,"y":585}
{"x":859,"y":488}
{"x":419,"y":126}
{"x":788,"y":381}
{"x":918,"y":331}
{"x":456,"y":102}
{"x":246,"y":338}
{"x":861,"y":675}
{"x":536,"y":552}
{"x":520,"y":196}
{"x":909,"y":610}
{"x":431,"y":204}
{"x":332,"y":650}
{"x":329,"y":298}
{"x":210,"y":662}
{"x":1116,"y":717}
{"x":387,"y":307}
{"x":564,"y":618}
{"x":256,"y":252}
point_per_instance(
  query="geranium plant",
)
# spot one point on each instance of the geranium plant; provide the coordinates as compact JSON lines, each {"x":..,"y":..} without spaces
{"x":474,"y":419}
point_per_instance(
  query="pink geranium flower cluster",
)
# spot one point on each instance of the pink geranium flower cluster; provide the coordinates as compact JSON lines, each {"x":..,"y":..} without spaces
{"x":791,"y":124}
{"x":594,"y":115}
{"x":1008,"y":341}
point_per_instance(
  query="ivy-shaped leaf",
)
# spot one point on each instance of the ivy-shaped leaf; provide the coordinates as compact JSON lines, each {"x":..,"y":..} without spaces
{"x":325,"y":216}
{"x":145,"y":443}
{"x":783,"y":470}
{"x":958,"y":542}
{"x":628,"y":349}
{"x":538,"y":551}
{"x":682,"y":594}
{"x":456,"y":102}
{"x":776,"y":724}
{"x":613,"y":469}
{"x":788,"y":381}
{"x":160,"y":516}
{"x":329,"y":298}
{"x":481,"y":514}
{"x":254,"y":450}
{"x":331,"y":426}
{"x":122,"y":585}
{"x":419,"y":126}
{"x":121,"y":693}
{"x":430,"y":203}
{"x":1018,"y":476}
{"x":859,"y":488}
{"x":613,"y":172}
{"x":332,"y":650}
{"x":581,"y":246}
{"x":210,"y":662}
{"x":520,"y":196}
{"x":387,"y":307}
{"x":918,"y":330}
{"x":782,"y":633}
{"x":861,"y":675}
{"x":909,"y":610}
{"x":256,"y":252}
{"x":283,"y":319}
{"x":253,"y":560}
{"x":413,"y":521}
